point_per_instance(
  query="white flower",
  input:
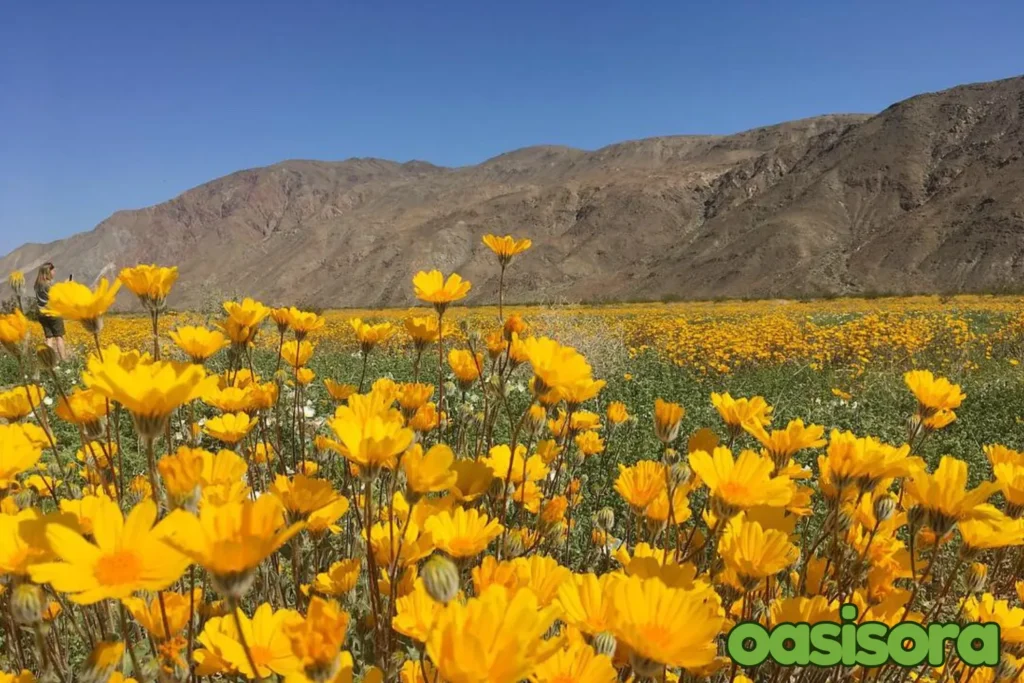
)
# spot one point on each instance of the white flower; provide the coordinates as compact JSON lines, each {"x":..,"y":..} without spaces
{"x":48,"y":401}
{"x":309,"y":411}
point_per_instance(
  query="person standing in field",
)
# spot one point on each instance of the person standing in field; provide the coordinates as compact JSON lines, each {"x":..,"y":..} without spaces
{"x":53,"y":327}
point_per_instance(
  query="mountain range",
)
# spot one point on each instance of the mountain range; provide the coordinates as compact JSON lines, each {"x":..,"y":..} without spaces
{"x":925,"y":196}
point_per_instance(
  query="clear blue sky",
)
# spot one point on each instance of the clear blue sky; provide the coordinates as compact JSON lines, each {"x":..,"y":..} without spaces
{"x":110,"y":105}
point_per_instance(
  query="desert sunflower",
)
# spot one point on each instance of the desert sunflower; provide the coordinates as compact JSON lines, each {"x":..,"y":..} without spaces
{"x":933,"y":393}
{"x":416,"y":613}
{"x":182,"y":473}
{"x":945,"y":498}
{"x":507,"y":247}
{"x":20,"y":402}
{"x":432,"y":287}
{"x":302,"y":495}
{"x":174,"y":607}
{"x":13,"y":328}
{"x":462,"y":533}
{"x":230,"y":540}
{"x":296,"y":353}
{"x":371,"y":433}
{"x":303,"y":323}
{"x":151,"y":283}
{"x":472,"y":479}
{"x":587,"y":602}
{"x":640,"y":484}
{"x":23,"y":540}
{"x":129,"y":555}
{"x":150,"y":391}
{"x":740,"y":483}
{"x":230,"y":427}
{"x":422,"y":331}
{"x":75,"y":301}
{"x":616,"y":413}
{"x":555,"y":366}
{"x":737,"y":413}
{"x":667,"y":418}
{"x":783,"y":444}
{"x":369,"y":335}
{"x":222,"y":650}
{"x":337,"y":391}
{"x":666,"y":626}
{"x":753,"y":552}
{"x":243,"y":320}
{"x":576,"y":663}
{"x":429,"y":472}
{"x":340,"y":577}
{"x":83,"y":407}
{"x":198,"y":343}
{"x":317,"y":638}
{"x":21,"y":449}
{"x":466,"y":366}
{"x":494,"y":637}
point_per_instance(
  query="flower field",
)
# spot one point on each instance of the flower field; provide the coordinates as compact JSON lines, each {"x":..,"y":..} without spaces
{"x":507,"y":493}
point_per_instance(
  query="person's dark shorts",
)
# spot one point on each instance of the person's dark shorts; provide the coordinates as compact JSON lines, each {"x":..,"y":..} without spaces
{"x":52,"y":327}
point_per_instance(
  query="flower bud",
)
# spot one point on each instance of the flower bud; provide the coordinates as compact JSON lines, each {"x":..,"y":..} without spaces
{"x":96,"y":429}
{"x":885,"y":506}
{"x":27,"y":604}
{"x":913,"y":427}
{"x":557,"y":530}
{"x":605,"y":644}
{"x":915,"y":516}
{"x":844,"y":521}
{"x":977,"y":577}
{"x":440,"y":578}
{"x":679,"y":474}
{"x":671,"y":456}
{"x":514,"y":546}
{"x":655,"y":527}
{"x":761,"y":610}
{"x":1007,"y":670}
{"x":645,"y":668}
{"x":606,"y":518}
{"x":47,"y":357}
{"x":234,"y":584}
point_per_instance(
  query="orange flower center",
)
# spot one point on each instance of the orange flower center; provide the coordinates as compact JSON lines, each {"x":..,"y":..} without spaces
{"x":118,"y":568}
{"x":463,"y":546}
{"x":261,"y":655}
{"x":731,"y":490}
{"x":654,"y":637}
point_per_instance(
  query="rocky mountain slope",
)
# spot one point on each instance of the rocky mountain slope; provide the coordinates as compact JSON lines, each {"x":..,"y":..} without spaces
{"x":927,"y":195}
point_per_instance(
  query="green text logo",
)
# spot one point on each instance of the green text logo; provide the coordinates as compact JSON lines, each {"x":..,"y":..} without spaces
{"x":868,"y":644}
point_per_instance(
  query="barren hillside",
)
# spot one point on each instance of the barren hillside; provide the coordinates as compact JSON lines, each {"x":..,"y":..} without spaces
{"x":928,"y":195}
